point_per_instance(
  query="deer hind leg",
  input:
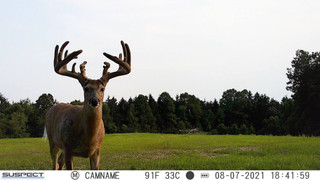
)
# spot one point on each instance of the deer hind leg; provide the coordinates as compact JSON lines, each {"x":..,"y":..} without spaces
{"x":68,"y":159}
{"x":61,"y":160}
{"x":54,"y":154}
{"x":95,"y":159}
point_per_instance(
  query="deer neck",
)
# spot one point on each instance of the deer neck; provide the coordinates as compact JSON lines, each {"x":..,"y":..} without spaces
{"x":92,"y":118}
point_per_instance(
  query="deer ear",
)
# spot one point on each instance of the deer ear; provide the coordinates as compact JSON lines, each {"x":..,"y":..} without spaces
{"x":86,"y":89}
{"x":103,"y":81}
{"x":84,"y":82}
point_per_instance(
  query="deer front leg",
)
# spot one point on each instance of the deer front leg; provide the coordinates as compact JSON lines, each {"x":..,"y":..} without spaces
{"x":95,"y":159}
{"x":61,"y":160}
{"x":68,"y":159}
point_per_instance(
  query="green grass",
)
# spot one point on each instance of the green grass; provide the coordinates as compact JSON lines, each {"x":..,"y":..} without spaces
{"x":178,"y":152}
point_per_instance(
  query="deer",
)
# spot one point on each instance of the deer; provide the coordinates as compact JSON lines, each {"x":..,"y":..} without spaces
{"x":78,"y":130}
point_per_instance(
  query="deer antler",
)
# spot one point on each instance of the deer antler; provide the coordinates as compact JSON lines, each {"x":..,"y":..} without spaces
{"x":60,"y":65}
{"x":124,"y":65}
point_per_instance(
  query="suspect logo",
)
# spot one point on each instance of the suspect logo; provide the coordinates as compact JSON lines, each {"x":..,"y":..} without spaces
{"x":23,"y":175}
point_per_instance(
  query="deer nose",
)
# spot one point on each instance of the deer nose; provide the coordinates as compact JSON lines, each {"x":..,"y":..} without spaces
{"x":94,"y":102}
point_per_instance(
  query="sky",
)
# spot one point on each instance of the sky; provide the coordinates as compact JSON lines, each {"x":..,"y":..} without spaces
{"x":202,"y":47}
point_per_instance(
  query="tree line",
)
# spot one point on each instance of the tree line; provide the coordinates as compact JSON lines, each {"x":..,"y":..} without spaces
{"x":236,"y":112}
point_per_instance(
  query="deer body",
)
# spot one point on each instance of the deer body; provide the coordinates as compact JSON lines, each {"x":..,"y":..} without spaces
{"x":79,"y":130}
{"x":72,"y":127}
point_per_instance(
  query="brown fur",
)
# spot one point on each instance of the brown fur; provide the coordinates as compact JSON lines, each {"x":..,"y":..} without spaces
{"x":77,"y":130}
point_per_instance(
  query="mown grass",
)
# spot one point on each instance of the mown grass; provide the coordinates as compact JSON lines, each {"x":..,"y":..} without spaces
{"x":178,"y":152}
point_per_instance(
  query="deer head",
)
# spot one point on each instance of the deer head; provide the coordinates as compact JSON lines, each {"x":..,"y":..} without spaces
{"x":93,"y":89}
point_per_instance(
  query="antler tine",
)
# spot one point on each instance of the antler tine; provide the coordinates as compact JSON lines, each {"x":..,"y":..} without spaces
{"x":124,"y":65}
{"x":83,"y":69}
{"x":60,"y":65}
{"x":128,"y":57}
{"x":105,"y":68}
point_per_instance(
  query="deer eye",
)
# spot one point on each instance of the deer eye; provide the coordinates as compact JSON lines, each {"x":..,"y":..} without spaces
{"x":102,"y":89}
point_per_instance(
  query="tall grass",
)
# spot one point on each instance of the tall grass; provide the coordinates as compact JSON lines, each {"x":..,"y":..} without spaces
{"x":167,"y":151}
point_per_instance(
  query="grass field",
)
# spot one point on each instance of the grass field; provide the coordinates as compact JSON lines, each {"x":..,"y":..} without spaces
{"x":177,"y":152}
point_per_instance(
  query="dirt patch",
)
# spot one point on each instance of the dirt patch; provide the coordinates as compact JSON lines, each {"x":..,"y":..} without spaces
{"x":220,"y":151}
{"x":167,"y":153}
{"x":158,"y":154}
{"x":151,"y":155}
{"x":209,"y":154}
{"x":246,"y":148}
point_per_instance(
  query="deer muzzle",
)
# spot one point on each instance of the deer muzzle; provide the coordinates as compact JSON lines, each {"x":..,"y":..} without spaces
{"x":94,"y":102}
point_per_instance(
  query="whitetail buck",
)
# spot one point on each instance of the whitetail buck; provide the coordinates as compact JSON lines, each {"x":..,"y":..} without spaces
{"x":79,"y":130}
